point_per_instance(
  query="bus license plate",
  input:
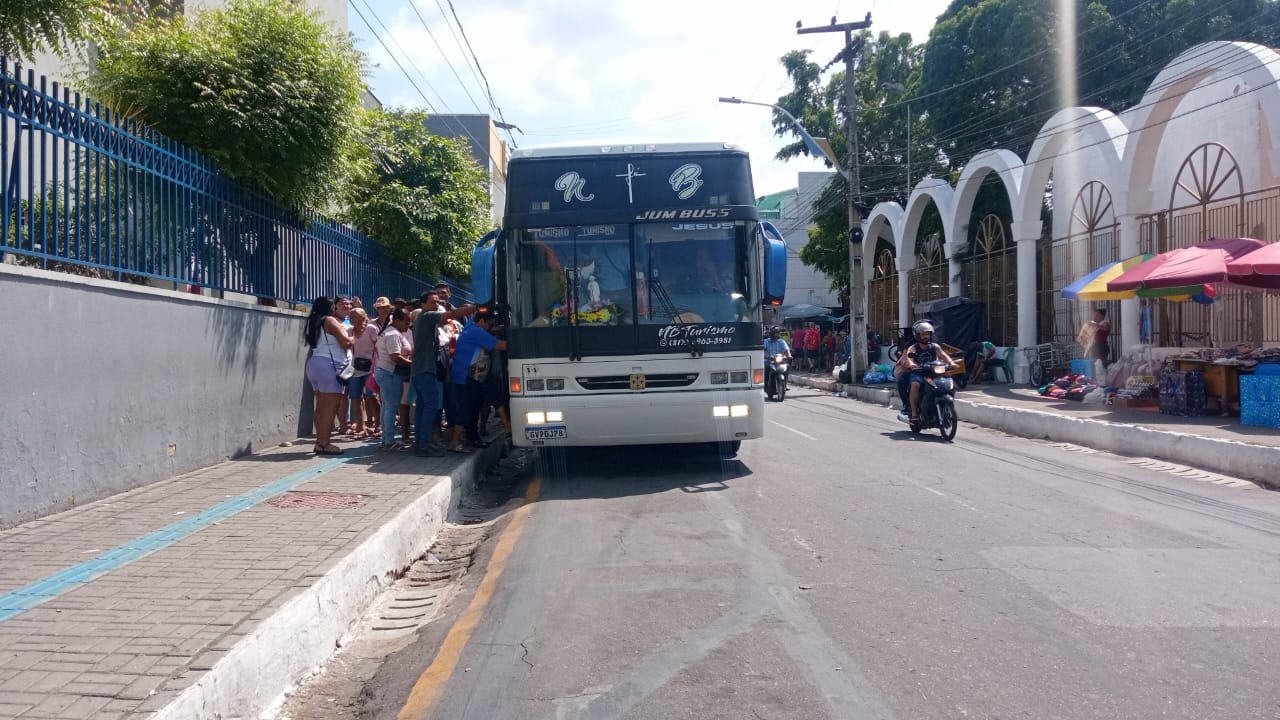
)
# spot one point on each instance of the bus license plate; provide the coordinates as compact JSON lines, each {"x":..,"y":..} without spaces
{"x":554,"y":432}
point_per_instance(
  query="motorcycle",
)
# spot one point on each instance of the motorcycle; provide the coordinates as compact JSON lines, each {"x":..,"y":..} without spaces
{"x":776,"y":384}
{"x":937,"y":402}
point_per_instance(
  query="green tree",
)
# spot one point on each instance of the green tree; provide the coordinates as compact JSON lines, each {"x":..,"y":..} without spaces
{"x":421,"y":195}
{"x":263,"y":87}
{"x":884,"y":84}
{"x":31,"y":26}
{"x":993,"y":68}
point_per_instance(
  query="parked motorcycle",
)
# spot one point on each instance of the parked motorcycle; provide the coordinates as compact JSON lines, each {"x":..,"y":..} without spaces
{"x":776,"y":384}
{"x":937,"y":402}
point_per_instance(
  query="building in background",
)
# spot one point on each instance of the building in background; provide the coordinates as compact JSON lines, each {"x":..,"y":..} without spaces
{"x":792,"y":212}
{"x":487,"y":147}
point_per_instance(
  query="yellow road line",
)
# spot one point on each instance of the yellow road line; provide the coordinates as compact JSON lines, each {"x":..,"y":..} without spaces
{"x":429,"y":685}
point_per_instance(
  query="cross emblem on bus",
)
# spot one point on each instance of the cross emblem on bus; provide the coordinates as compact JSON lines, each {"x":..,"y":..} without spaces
{"x":632,"y":172}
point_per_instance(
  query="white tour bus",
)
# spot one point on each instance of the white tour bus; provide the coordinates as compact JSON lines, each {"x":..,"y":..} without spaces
{"x":630,"y":281}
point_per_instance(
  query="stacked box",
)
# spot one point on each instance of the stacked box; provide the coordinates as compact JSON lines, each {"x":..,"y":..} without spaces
{"x":1259,"y":388}
{"x":1182,"y":393}
{"x":1261,"y":414}
{"x":1260,"y":400}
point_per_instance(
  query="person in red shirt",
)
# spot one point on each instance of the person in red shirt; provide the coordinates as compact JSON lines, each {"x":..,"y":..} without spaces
{"x":798,"y":337}
{"x":829,"y":350}
{"x":812,"y":341}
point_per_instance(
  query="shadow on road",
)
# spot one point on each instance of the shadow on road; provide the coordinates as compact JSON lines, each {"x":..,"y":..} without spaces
{"x":611,"y":472}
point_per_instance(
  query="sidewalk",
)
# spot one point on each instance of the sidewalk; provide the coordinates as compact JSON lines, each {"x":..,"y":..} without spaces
{"x":1217,"y":444}
{"x":205,"y":595}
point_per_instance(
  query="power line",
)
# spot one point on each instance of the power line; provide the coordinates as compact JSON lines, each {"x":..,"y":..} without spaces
{"x":423,"y":21}
{"x":487,"y":88}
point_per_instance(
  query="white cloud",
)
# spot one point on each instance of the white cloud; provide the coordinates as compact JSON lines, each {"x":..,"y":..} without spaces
{"x":587,"y":72}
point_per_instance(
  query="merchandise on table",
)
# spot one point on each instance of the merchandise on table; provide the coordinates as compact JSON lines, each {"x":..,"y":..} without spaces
{"x":1261,"y":414}
{"x":1259,"y":388}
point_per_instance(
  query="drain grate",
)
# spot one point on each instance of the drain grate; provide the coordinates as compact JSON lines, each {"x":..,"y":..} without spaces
{"x":322,"y":500}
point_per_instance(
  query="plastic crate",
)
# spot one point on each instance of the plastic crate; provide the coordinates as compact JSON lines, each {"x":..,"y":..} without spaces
{"x":1260,"y":414}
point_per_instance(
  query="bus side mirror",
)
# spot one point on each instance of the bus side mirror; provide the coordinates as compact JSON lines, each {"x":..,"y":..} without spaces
{"x":482,"y":268}
{"x":775,"y":265}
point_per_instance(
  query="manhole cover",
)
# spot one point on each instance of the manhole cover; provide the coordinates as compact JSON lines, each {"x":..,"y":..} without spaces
{"x":326,"y":500}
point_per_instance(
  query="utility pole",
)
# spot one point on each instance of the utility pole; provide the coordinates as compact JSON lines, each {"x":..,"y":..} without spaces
{"x":857,"y":282}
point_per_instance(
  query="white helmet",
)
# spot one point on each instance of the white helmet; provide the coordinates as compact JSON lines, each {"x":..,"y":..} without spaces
{"x":923,"y":326}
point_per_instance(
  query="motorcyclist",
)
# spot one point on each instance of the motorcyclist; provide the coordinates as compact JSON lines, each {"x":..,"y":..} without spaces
{"x":923,"y":352}
{"x":774,"y":345}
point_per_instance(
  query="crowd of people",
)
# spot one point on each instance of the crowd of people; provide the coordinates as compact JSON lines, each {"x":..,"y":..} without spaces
{"x":815,"y":349}
{"x":418,"y":375}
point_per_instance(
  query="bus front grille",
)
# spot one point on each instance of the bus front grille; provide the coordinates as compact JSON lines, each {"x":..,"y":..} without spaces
{"x":623,"y":382}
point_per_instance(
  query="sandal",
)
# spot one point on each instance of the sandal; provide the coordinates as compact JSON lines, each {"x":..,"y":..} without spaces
{"x":327,"y":450}
{"x":460,"y":449}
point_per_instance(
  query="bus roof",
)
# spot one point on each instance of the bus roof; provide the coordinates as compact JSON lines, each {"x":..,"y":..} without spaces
{"x":630,"y":149}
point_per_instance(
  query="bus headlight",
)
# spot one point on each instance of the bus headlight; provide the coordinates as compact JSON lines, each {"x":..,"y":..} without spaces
{"x":739,"y":410}
{"x":534,"y":385}
{"x":738,"y":377}
{"x":555,"y":416}
{"x":555,"y":384}
{"x":719,"y":378}
{"x":536,"y":417}
{"x":720,"y":411}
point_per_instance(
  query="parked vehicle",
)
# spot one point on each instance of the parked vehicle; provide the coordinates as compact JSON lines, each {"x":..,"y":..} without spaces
{"x":937,"y":402}
{"x":779,"y":367}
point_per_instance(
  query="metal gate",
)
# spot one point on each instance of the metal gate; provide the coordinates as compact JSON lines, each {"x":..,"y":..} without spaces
{"x":1208,"y":201}
{"x":929,"y":279}
{"x":1092,"y":240}
{"x":882,"y":311}
{"x":989,"y":274}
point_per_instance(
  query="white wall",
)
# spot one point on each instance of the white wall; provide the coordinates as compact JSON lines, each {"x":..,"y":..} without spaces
{"x":117,"y":386}
{"x":804,"y":284}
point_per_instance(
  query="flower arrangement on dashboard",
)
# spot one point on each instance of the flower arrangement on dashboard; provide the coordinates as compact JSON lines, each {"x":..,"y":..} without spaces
{"x":602,"y":313}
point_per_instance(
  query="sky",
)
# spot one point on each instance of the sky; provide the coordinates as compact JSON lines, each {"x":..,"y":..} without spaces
{"x":586,"y":72}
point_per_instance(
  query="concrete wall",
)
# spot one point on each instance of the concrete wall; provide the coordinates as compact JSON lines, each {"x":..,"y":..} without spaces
{"x":804,"y":284}
{"x":113,"y":386}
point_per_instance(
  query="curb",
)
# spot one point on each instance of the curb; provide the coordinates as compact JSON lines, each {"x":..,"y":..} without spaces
{"x":254,"y":675}
{"x":1228,"y":457}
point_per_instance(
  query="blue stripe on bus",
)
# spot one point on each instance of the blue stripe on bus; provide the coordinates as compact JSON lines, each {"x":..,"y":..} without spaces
{"x":45,"y":589}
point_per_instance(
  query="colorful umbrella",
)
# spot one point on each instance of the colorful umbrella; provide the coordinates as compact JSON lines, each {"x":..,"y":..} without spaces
{"x":1259,"y":269}
{"x":1093,"y":287}
{"x":1199,"y":264}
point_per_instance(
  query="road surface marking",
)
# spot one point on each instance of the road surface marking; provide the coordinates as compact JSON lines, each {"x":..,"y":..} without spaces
{"x":51,"y":586}
{"x":939,"y":493}
{"x":784,"y":427}
{"x":427,"y":689}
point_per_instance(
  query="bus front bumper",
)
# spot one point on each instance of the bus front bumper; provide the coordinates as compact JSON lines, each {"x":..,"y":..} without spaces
{"x":637,"y":419}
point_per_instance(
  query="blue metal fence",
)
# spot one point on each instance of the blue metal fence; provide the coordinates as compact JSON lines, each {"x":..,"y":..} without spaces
{"x":87,"y":190}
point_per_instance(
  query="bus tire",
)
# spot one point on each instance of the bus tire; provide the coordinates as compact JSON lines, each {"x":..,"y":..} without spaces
{"x":729,"y":449}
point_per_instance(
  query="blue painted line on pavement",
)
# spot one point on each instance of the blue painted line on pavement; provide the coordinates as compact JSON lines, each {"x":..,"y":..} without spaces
{"x":45,"y":589}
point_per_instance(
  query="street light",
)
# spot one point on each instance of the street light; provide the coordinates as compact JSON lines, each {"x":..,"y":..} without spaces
{"x":818,"y":147}
{"x":903,"y":90}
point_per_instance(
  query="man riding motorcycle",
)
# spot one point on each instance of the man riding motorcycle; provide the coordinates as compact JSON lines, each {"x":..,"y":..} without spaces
{"x":920,"y":354}
{"x":774,"y":345}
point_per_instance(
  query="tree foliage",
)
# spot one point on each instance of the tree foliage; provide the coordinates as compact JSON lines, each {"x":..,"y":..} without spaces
{"x":31,"y":26}
{"x":263,"y":87}
{"x":421,"y":195}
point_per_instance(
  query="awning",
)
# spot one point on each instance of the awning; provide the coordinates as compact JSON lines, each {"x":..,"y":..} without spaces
{"x":1195,"y":265}
{"x":1259,"y":269}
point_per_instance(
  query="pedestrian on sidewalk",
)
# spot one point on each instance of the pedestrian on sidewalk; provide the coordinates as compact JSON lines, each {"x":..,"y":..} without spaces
{"x":395,"y":358}
{"x":1094,"y":336}
{"x":364,"y":335}
{"x":470,"y":371}
{"x":330,"y":353}
{"x":812,"y":345}
{"x":428,"y":380}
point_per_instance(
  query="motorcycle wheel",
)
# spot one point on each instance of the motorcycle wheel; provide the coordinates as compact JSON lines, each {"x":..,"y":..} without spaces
{"x":895,"y":352}
{"x":782,"y":390}
{"x":947,"y":423}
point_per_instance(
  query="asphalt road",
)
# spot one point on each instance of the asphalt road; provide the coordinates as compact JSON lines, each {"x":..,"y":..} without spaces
{"x":841,"y":568}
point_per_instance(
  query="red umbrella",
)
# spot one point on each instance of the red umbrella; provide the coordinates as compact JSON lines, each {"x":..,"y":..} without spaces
{"x":1195,"y":265}
{"x":1260,"y":268}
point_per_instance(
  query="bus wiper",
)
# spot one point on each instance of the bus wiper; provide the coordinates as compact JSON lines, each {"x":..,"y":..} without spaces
{"x":669,"y":307}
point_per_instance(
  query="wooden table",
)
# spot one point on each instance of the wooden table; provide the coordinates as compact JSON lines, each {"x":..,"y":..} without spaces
{"x":1220,"y":381}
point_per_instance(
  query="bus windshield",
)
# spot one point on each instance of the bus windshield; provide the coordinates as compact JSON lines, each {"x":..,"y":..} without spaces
{"x":622,"y":274}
